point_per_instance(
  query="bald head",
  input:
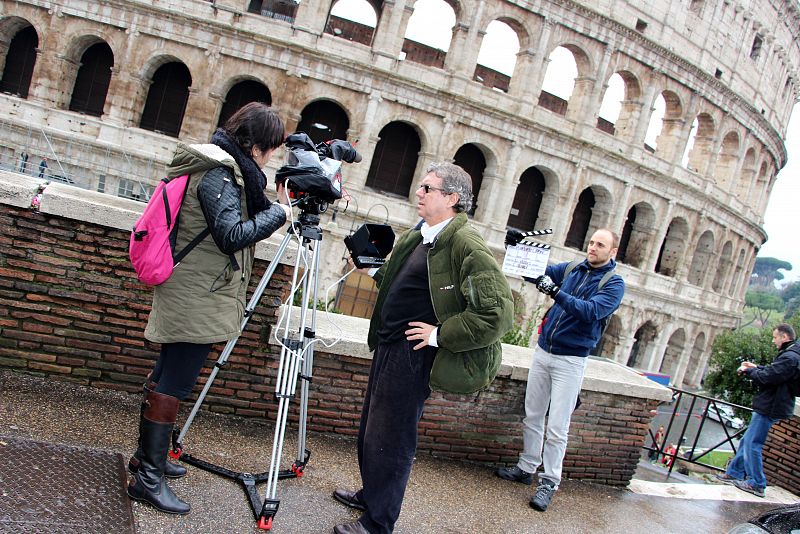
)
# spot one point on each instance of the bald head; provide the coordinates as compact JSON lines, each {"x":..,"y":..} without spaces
{"x":602,"y":247}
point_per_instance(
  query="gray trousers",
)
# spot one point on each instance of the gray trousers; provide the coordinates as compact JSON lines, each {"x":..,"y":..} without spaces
{"x":554,"y":381}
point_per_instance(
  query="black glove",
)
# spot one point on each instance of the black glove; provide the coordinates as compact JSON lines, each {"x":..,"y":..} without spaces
{"x":513,"y":237}
{"x":547,"y":286}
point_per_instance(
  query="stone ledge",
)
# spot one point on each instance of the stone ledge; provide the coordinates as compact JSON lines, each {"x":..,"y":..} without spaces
{"x":602,"y":375}
{"x":111,"y":211}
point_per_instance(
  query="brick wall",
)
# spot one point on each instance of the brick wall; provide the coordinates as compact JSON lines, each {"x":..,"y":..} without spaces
{"x":782,"y":455}
{"x":70,"y":308}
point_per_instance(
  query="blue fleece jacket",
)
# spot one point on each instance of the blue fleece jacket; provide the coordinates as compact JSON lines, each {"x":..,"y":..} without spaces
{"x":573,"y":325}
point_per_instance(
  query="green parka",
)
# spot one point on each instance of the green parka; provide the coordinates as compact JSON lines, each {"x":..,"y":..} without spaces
{"x":471,"y":300}
{"x":203,"y":301}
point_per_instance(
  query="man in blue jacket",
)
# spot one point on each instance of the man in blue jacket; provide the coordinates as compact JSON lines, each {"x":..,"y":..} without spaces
{"x":774,"y":401}
{"x":570,"y":330}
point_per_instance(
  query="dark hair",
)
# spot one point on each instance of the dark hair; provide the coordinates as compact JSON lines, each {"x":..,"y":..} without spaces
{"x":785,"y":328}
{"x":454,"y":180}
{"x":256,"y":125}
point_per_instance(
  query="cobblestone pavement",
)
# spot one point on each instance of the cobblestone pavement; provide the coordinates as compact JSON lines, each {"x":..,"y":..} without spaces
{"x":442,"y":496}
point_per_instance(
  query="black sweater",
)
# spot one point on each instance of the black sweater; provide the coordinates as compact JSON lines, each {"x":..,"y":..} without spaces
{"x":774,"y":398}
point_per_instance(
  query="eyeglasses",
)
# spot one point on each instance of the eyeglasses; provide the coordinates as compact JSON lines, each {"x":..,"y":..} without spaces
{"x":428,"y":187}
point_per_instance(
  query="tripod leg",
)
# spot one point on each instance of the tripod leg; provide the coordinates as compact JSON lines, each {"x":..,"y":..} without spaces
{"x":223,"y":357}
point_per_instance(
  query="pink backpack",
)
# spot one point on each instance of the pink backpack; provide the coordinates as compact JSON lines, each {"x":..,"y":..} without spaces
{"x":152,"y":244}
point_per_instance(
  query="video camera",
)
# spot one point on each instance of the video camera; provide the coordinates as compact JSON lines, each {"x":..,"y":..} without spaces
{"x":312,"y":173}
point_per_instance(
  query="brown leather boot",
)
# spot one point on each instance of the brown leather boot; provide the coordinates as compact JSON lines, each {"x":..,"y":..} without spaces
{"x":172,"y":470}
{"x":148,"y":484}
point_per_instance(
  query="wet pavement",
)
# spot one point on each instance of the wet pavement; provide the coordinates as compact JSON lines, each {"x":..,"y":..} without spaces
{"x":442,"y":496}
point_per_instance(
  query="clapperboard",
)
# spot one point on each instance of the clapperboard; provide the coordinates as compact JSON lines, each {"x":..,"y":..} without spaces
{"x":528,"y":257}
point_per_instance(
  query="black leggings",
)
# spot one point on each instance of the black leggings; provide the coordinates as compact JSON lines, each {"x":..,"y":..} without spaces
{"x":178,"y":367}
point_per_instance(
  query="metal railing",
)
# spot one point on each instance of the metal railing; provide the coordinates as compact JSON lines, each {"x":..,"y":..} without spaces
{"x":694,"y":454}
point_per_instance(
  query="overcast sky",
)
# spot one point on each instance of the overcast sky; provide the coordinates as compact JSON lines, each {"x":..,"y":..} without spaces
{"x":783,"y":211}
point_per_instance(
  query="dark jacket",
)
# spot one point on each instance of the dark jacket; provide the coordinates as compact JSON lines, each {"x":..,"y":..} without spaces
{"x":471,"y":299}
{"x":774,"y":398}
{"x":573,"y":325}
{"x":203,"y":301}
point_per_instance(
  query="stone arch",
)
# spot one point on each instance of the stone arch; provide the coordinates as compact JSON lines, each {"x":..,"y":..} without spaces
{"x":611,"y":104}
{"x":672,"y":353}
{"x":693,"y":370}
{"x":495,"y":64}
{"x":274,"y":9}
{"x":723,"y":267}
{"x":534,"y":200}
{"x":591,"y":211}
{"x":167,"y":96}
{"x":240,"y":93}
{"x":701,"y":146}
{"x":428,"y":43}
{"x":356,"y":24}
{"x":738,"y":270}
{"x":726,"y":163}
{"x":643,"y":341}
{"x":761,"y":190}
{"x":747,"y":176}
{"x":19,"y":58}
{"x":92,"y":77}
{"x":636,"y":233}
{"x":395,"y":159}
{"x":673,"y":247}
{"x":701,"y":259}
{"x":323,"y":120}
{"x":611,"y":340}
{"x":665,"y":125}
{"x":557,"y":96}
{"x":471,"y":158}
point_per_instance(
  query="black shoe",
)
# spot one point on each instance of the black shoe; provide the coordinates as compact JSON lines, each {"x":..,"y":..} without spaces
{"x":349,"y":498}
{"x":516,"y":474}
{"x":350,"y":528}
{"x":544,"y":494}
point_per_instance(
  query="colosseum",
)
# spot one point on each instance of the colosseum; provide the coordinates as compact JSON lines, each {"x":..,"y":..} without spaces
{"x":682,"y":170}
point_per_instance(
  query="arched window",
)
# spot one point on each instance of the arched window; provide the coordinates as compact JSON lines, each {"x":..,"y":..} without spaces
{"x":672,"y":247}
{"x":166,"y":100}
{"x":559,"y":81}
{"x":243,"y":93}
{"x":91,"y":83}
{"x":354,"y":20}
{"x":698,"y":150}
{"x":428,"y":43}
{"x":723,"y":267}
{"x":497,"y":56}
{"x":527,"y":200}
{"x":612,"y":104}
{"x":672,"y":354}
{"x":581,"y":219}
{"x":395,"y":159}
{"x":470,"y":158}
{"x":324,"y":120}
{"x":643,"y":338}
{"x":635,"y":234}
{"x":20,"y":60}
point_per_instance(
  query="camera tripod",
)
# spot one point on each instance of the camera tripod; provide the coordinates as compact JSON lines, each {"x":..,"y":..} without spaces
{"x":296,"y":361}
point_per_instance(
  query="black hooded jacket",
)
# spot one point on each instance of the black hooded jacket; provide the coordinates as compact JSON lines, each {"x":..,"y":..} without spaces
{"x":774,"y":398}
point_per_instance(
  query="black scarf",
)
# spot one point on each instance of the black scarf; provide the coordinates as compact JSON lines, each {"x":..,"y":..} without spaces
{"x":254,"y":179}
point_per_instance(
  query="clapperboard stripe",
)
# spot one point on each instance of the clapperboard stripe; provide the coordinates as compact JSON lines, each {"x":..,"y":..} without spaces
{"x":532,"y":233}
{"x":536,"y":244}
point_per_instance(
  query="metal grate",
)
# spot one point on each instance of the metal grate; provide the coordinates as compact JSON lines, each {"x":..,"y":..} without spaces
{"x":56,"y":488}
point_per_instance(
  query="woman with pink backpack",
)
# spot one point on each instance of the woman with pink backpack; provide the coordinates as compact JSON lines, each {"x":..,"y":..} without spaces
{"x":225,"y":212}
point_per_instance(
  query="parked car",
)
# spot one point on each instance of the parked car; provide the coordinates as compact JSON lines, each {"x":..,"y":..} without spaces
{"x":725,"y":415}
{"x":783,"y":520}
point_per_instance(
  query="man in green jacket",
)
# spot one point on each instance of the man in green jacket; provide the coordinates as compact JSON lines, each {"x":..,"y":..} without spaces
{"x":443,"y":304}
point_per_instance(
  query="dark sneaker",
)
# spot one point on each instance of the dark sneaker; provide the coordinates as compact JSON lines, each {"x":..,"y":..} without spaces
{"x":747,"y":486}
{"x":544,"y":494}
{"x":516,"y":474}
{"x":725,"y":478}
{"x":349,"y":498}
